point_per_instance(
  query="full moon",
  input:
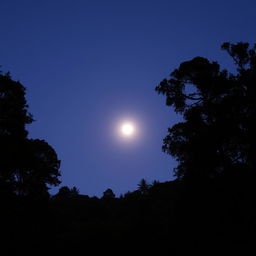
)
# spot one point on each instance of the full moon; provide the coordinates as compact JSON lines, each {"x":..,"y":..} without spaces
{"x":127,"y":129}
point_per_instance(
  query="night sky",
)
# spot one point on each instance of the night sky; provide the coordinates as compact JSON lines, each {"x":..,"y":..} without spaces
{"x":90,"y":65}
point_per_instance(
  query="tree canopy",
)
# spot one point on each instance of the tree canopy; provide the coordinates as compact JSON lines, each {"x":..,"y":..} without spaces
{"x":28,"y":166}
{"x":65,"y":192}
{"x":219,"y":111}
{"x":108,"y":194}
{"x":143,"y":186}
{"x":13,"y":108}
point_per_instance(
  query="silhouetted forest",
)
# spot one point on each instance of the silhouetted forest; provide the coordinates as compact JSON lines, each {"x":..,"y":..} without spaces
{"x":209,"y":208}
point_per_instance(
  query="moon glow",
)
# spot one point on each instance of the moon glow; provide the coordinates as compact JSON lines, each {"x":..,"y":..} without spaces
{"x":127,"y":129}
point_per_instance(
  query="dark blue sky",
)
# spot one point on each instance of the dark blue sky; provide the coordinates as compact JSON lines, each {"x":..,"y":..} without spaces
{"x":88,"y":65}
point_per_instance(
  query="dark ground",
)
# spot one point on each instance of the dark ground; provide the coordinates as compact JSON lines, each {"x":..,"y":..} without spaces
{"x":173,"y":218}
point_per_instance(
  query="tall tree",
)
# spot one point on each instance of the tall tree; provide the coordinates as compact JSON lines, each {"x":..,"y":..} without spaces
{"x":219,"y":111}
{"x":27,"y":166}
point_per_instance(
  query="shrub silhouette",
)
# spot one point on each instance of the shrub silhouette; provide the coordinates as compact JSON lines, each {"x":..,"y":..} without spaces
{"x":108,"y":194}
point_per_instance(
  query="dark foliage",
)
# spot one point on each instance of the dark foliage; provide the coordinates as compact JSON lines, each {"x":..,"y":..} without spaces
{"x":108,"y":194}
{"x":13,"y":108}
{"x":217,"y":135}
{"x":65,"y":192}
{"x":27,"y":166}
{"x":143,"y":187}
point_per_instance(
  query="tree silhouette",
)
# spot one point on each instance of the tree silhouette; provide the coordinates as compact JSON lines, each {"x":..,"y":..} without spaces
{"x":38,"y":168}
{"x":108,"y":194}
{"x":27,"y":166}
{"x":155,"y":183}
{"x":14,"y":113}
{"x":74,"y":191}
{"x":64,"y":192}
{"x":143,"y":186}
{"x":219,"y":110}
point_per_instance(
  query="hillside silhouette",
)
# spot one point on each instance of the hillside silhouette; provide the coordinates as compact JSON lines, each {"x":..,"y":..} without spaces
{"x":209,"y":208}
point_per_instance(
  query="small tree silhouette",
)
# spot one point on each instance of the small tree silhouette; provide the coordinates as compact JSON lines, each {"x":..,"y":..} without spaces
{"x":65,"y":192}
{"x":108,"y":194}
{"x":143,"y":187}
{"x":155,"y":183}
{"x":74,"y":191}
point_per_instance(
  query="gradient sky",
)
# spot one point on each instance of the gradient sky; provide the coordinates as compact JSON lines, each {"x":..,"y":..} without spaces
{"x":88,"y":65}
